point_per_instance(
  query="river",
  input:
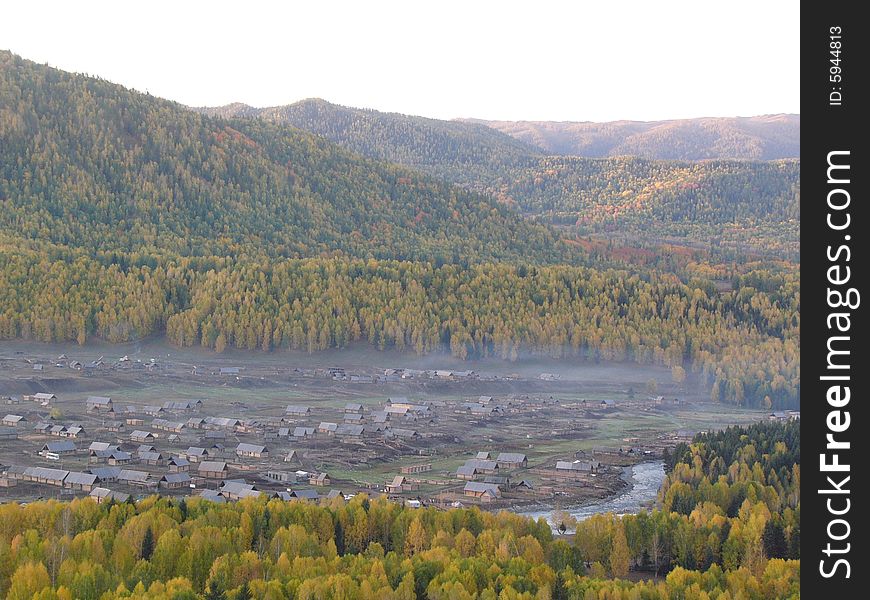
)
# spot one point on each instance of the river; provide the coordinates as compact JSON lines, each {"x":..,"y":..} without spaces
{"x":645,"y":479}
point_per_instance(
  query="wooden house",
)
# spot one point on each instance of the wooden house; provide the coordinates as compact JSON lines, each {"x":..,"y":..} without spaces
{"x":244,"y":450}
{"x":99,"y":403}
{"x":175,"y":480}
{"x":213,"y":469}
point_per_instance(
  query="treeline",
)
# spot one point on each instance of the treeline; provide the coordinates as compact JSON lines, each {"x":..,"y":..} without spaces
{"x":703,"y":549}
{"x":745,"y":343}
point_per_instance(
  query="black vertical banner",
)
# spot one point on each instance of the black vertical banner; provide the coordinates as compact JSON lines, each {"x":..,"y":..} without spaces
{"x":834,"y":423}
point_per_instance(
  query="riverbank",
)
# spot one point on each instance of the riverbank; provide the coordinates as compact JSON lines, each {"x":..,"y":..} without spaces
{"x":644,"y":480}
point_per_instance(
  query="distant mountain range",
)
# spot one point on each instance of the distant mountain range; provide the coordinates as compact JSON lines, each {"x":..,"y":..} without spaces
{"x":768,"y":137}
{"x":715,"y":202}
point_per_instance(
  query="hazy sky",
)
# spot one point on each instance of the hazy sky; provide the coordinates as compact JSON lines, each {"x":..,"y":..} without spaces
{"x":571,"y":60}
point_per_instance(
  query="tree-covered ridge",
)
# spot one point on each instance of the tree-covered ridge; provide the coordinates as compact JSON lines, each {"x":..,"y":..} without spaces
{"x":709,"y":202}
{"x":746,"y":342}
{"x":466,"y":153}
{"x":90,"y":164}
{"x":731,"y":500}
{"x":768,"y":137}
{"x":617,"y":191}
{"x":371,"y":548}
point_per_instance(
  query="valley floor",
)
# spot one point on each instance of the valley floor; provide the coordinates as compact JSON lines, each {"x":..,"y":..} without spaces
{"x":545,"y":409}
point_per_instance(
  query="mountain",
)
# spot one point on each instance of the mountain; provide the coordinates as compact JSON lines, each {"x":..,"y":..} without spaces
{"x":768,"y":137}
{"x":470,"y":154}
{"x":124,"y":216}
{"x":734,"y":203}
{"x":89,"y":164}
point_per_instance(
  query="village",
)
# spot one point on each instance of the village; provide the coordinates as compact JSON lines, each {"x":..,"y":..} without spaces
{"x":341,"y":432}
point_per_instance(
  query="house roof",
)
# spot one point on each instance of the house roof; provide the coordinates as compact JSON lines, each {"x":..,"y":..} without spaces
{"x":235,"y":487}
{"x":475,"y":486}
{"x":306,"y":494}
{"x":212,"y":496}
{"x":482,"y":465}
{"x":402,"y":432}
{"x":176,"y":478}
{"x":75,"y":478}
{"x":63,"y":446}
{"x":150,"y":456}
{"x":101,"y":492}
{"x":46,"y":473}
{"x":133,"y":475}
{"x":351,"y":430}
{"x":511,"y":457}
{"x":99,"y":400}
{"x":254,"y":448}
{"x":210,"y":466}
{"x":101,"y":446}
{"x":222,"y":421}
{"x":105,"y":472}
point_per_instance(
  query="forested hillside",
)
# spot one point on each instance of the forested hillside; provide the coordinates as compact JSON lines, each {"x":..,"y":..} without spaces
{"x":734,"y":204}
{"x":737,"y":203}
{"x":126,"y":216}
{"x":768,"y":137}
{"x":461,"y":152}
{"x":89,"y":164}
{"x":745,"y":342}
{"x":737,"y":538}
